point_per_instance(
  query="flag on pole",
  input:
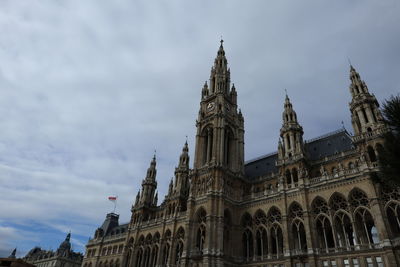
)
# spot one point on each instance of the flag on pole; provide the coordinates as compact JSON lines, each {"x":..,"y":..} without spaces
{"x":114,"y":200}
{"x":111,"y":198}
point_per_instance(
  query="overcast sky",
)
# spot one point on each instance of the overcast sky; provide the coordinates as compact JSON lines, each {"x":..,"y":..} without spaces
{"x":89,"y":89}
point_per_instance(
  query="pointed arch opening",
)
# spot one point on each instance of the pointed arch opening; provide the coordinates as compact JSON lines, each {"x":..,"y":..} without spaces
{"x":276,"y":241}
{"x":247,"y":243}
{"x":371,"y":154}
{"x":393,"y":215}
{"x":298,"y":233}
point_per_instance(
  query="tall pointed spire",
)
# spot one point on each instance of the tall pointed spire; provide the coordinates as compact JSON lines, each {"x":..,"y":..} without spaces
{"x":184,"y":157}
{"x":220,"y":74}
{"x":357,"y":85}
{"x":149,"y":184}
{"x":151,"y":171}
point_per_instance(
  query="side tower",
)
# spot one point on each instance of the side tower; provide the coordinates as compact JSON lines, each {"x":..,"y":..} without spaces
{"x":366,"y":118}
{"x":146,"y":200}
{"x":218,"y":165}
{"x":291,"y":152}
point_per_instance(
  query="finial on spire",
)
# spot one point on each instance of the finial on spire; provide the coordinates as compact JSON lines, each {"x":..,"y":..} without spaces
{"x":343,"y":125}
{"x":222,"y":41}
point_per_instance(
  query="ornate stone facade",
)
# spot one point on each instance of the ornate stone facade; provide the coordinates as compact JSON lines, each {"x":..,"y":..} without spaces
{"x":63,"y":257}
{"x":311,"y":203}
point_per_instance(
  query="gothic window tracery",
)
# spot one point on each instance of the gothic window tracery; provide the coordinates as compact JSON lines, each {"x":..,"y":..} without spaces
{"x":365,"y":225}
{"x":298,"y":233}
{"x":207,"y":138}
{"x":260,"y":220}
{"x":274,"y":215}
{"x":344,"y":229}
{"x":323,"y":224}
{"x":247,"y":240}
{"x":338,"y":202}
{"x":393,"y":215}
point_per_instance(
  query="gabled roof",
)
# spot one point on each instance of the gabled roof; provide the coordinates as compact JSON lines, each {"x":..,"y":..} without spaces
{"x":316,"y":148}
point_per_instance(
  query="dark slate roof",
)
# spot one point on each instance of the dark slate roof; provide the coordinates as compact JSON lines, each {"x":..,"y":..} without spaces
{"x":329,"y":144}
{"x":261,"y":166}
{"x":110,"y":223}
{"x":122,"y":228}
{"x":317,"y":148}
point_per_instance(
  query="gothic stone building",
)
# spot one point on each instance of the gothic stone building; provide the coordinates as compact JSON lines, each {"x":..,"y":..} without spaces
{"x":63,"y":257}
{"x":311,"y":203}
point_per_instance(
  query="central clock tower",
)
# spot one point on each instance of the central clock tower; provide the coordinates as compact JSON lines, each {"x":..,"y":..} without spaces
{"x":220,"y":130}
{"x":218,"y":167}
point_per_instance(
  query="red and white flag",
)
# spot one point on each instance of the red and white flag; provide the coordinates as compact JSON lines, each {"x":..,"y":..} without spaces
{"x":111,"y":198}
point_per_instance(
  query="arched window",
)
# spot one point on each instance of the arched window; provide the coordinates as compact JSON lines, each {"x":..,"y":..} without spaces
{"x":323,"y":225}
{"x":288,"y":177}
{"x":371,"y":154}
{"x":365,"y":225}
{"x":129,"y":253}
{"x":337,"y":202}
{"x":260,"y":220}
{"x":358,"y":198}
{"x":351,"y":165}
{"x":139,"y":257}
{"x":207,"y":138}
{"x":247,"y":242}
{"x":276,"y":240}
{"x":166,"y":253}
{"x":246,"y":221}
{"x":295,"y":176}
{"x":344,"y":229}
{"x":393,"y":215}
{"x":274,"y":215}
{"x":146,"y":257}
{"x":325,"y":232}
{"x":261,"y":242}
{"x":154,"y":255}
{"x":178,"y":252}
{"x":298,"y":234}
{"x":228,"y":146}
{"x":379,"y":149}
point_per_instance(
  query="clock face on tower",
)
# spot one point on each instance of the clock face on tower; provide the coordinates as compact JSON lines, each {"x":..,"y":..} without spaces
{"x":210,"y":106}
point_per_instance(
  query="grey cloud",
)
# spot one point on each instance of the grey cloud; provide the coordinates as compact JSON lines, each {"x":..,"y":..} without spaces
{"x":89,"y":89}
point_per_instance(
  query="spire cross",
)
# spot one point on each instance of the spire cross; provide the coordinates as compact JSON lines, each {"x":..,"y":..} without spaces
{"x":285,"y":91}
{"x":222,"y":41}
{"x":348,"y":59}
